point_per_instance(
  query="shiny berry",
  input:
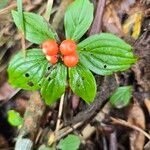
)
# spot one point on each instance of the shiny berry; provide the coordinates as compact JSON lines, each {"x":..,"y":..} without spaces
{"x":68,"y":47}
{"x":71,"y":60}
{"x":52,"y":59}
{"x":50,"y":47}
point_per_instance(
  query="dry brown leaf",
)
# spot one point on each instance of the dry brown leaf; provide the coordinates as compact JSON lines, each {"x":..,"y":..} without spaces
{"x":111,"y":21}
{"x":132,"y":25}
{"x":115,"y":13}
{"x":136,"y":117}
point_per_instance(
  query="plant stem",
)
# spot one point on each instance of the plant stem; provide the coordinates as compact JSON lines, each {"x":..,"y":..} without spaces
{"x":97,"y":23}
{"x":20,"y":11}
{"x":127,"y":124}
{"x":48,"y":9}
{"x":59,"y":113}
{"x":23,"y":43}
{"x":63,"y":132}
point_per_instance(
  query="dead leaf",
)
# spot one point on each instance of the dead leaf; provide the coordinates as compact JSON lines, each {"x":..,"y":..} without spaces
{"x":129,"y":11}
{"x":111,"y":21}
{"x":132,"y":25}
{"x":136,"y":117}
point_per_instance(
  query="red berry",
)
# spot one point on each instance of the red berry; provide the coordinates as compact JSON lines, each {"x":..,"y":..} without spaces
{"x":50,"y":47}
{"x":71,"y":60}
{"x":68,"y":47}
{"x":52,"y":59}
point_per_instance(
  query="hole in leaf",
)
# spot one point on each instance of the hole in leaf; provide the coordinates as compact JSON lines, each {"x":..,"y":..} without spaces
{"x":78,"y":84}
{"x":105,"y":66}
{"x":49,"y":79}
{"x":27,"y":75}
{"x":49,"y":68}
{"x":30,"y":84}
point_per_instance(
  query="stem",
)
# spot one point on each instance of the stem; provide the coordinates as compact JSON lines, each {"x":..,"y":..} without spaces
{"x":65,"y":131}
{"x":23,"y":43}
{"x":127,"y":124}
{"x":97,"y":23}
{"x":59,"y":113}
{"x":48,"y":10}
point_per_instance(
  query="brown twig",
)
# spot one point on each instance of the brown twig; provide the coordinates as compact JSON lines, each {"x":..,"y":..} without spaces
{"x":113,"y":141}
{"x":127,"y":124}
{"x":63,"y":132}
{"x":59,"y":113}
{"x":97,"y":23}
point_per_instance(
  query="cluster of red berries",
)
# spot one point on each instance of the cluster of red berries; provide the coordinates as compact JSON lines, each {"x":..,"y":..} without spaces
{"x":66,"y":50}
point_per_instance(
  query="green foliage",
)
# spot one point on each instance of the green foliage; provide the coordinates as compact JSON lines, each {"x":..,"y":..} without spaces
{"x":121,"y":97}
{"x":14,"y":118}
{"x":105,"y":54}
{"x":78,"y":19}
{"x":28,"y":72}
{"x":36,"y":28}
{"x":82,"y":83}
{"x":71,"y":142}
{"x":54,"y":85}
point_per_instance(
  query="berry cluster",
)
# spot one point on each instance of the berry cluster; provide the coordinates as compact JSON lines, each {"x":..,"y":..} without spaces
{"x":66,"y":50}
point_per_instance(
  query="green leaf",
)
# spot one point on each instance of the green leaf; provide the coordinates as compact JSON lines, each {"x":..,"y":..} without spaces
{"x":121,"y":97}
{"x":36,"y":27}
{"x":70,"y":142}
{"x":78,"y":19}
{"x":27,"y":72}
{"x":14,"y":118}
{"x":54,"y":85}
{"x":105,"y":54}
{"x":82,"y":83}
{"x":43,"y":147}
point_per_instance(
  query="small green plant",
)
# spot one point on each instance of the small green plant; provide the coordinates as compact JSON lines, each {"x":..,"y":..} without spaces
{"x":70,"y":142}
{"x":14,"y":118}
{"x":121,"y":96}
{"x":71,"y":66}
